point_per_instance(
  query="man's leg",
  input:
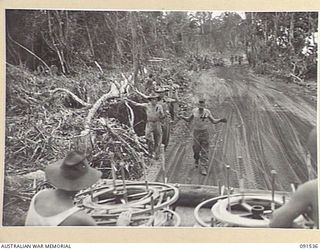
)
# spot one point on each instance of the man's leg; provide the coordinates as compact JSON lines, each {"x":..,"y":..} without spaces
{"x":149,"y":138}
{"x":168,"y":134}
{"x":196,"y":148}
{"x":157,"y":133}
{"x":165,"y":134}
{"x":204,"y":152}
{"x":171,"y":110}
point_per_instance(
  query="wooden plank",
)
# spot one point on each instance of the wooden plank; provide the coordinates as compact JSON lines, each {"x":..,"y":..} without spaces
{"x":192,"y":195}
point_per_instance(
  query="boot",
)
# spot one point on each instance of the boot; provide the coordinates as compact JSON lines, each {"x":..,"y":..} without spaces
{"x":196,"y":163}
{"x":156,"y":156}
{"x":204,"y":170}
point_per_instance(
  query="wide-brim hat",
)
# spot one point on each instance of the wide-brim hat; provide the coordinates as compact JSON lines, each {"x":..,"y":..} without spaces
{"x":176,"y":86}
{"x":166,"y":87}
{"x":72,"y":173}
{"x":161,"y":90}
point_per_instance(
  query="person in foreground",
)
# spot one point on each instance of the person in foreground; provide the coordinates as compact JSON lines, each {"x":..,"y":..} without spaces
{"x":55,"y":207}
{"x":304,"y":201}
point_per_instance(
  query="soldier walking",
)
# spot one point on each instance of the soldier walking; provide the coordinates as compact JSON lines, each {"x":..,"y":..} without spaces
{"x":167,"y":104}
{"x":231,"y":59}
{"x":153,"y":130}
{"x":201,"y":117}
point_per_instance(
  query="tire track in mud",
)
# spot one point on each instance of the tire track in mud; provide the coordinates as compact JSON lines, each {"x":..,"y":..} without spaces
{"x":241,"y":140}
{"x":172,"y":163}
{"x":258,"y":149}
{"x":289,"y":135}
{"x":271,"y":152}
{"x":282,"y":148}
{"x":289,"y":150}
{"x":268,"y":139}
{"x":216,"y":165}
{"x":293,"y":147}
{"x":257,"y":128}
{"x":264,"y":128}
{"x":273,"y":140}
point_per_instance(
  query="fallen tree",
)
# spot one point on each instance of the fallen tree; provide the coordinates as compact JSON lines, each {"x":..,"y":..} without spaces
{"x":50,"y":129}
{"x":46,"y":116}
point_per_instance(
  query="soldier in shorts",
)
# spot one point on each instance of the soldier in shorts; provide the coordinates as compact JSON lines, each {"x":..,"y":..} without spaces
{"x":167,"y":106}
{"x":153,"y":131}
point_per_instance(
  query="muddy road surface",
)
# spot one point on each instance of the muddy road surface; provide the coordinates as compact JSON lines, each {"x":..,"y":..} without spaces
{"x":268,"y":124}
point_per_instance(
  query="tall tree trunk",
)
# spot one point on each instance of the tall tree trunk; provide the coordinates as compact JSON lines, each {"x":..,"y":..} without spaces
{"x":275,"y":25}
{"x":251,"y":39}
{"x":155,"y":33}
{"x":114,"y":29}
{"x":291,"y":31}
{"x":265,"y":32}
{"x":54,"y":43}
{"x":135,"y":49}
{"x":90,"y":41}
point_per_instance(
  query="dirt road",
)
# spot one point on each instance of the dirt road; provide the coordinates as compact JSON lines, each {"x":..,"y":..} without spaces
{"x":267,"y":128}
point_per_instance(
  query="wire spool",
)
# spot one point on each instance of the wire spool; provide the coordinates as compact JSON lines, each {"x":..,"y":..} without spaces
{"x":249,"y":210}
{"x":106,"y":203}
{"x":241,"y":210}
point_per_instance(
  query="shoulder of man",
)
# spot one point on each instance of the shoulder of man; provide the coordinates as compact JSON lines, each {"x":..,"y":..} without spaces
{"x":309,"y":188}
{"x":305,"y":193}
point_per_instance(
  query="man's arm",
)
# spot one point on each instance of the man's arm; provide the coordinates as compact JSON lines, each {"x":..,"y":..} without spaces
{"x":79,"y":219}
{"x":141,"y":94}
{"x":297,"y":205}
{"x":137,"y":104}
{"x":215,"y":121}
{"x":186,"y":118}
{"x":124,"y":218}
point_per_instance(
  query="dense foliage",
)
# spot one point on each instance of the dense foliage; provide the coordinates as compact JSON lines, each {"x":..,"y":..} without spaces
{"x":74,"y":40}
{"x":283,"y":42}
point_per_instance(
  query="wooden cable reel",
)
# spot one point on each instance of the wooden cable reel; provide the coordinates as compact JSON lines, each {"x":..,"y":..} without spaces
{"x":144,"y":200}
{"x":243,"y":210}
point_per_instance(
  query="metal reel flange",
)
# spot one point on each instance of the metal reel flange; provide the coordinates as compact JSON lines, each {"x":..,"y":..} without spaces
{"x":205,"y":222}
{"x":109,"y":201}
{"x":249,"y":210}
